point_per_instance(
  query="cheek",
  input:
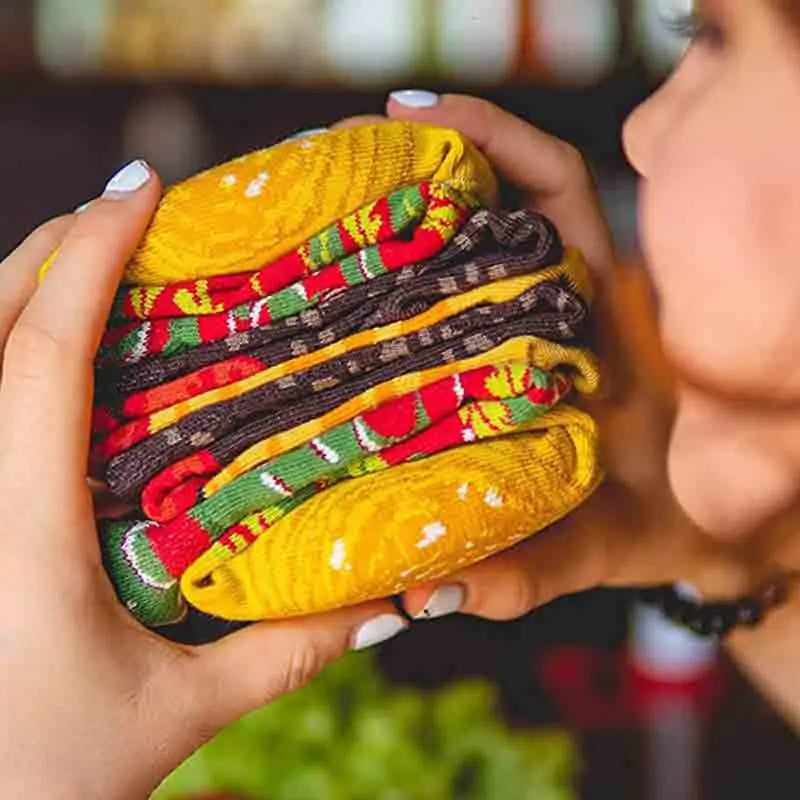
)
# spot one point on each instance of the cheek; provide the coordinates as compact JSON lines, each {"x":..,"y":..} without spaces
{"x":719,"y":224}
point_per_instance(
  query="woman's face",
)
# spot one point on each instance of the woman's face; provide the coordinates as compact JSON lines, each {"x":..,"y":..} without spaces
{"x":718,"y":150}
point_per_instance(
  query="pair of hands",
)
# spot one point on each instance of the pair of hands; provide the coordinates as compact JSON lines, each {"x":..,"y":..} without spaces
{"x":96,"y":706}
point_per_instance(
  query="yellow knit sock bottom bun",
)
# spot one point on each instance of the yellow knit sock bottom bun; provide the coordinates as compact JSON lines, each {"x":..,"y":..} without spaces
{"x":380,"y":534}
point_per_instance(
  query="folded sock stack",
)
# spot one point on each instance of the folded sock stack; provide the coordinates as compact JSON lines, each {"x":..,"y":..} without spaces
{"x":333,"y":371}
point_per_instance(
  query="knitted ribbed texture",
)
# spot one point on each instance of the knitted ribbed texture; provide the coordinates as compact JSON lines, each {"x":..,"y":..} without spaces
{"x":475,"y":405}
{"x":579,"y":364}
{"x":391,"y":232}
{"x":127,"y":435}
{"x":492,"y":246}
{"x":335,"y":343}
{"x":242,"y":215}
{"x":415,"y":223}
{"x":129,"y":563}
{"x":235,"y":424}
{"x":380,"y":534}
{"x":230,"y":428}
{"x":239,"y":425}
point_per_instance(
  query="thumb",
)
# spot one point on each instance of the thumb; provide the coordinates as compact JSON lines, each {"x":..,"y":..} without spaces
{"x":613,"y":540}
{"x":564,"y":559}
{"x":257,"y":665}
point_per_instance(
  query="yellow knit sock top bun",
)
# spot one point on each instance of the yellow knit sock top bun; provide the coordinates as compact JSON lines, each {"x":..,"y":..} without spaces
{"x":243,"y":214}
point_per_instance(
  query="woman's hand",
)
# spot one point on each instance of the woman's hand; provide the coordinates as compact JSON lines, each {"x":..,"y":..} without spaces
{"x":95,"y":706}
{"x":631,"y":532}
{"x":552,"y":173}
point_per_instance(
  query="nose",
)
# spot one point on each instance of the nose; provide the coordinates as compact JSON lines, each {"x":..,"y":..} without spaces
{"x":652,"y":118}
{"x":647,"y":122}
{"x":638,"y":134}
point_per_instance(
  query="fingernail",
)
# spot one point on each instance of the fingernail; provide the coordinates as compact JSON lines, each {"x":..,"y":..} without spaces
{"x":128,"y":179}
{"x":415,"y":98}
{"x":82,"y":208}
{"x":688,"y":591}
{"x":378,"y":630}
{"x":445,"y":600}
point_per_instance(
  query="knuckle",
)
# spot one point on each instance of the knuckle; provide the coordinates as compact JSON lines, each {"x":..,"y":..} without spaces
{"x":32,"y":349}
{"x":305,"y":662}
{"x":522,"y":594}
{"x":478,"y":104}
{"x":515,"y":592}
{"x":50,"y":233}
{"x":88,"y":237}
{"x":573,"y":162}
{"x":472,"y":115}
{"x":484,"y":111}
{"x":54,"y":225}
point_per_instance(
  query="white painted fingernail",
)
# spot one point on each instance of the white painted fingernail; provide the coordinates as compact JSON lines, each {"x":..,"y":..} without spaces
{"x":81,"y":209}
{"x":378,"y":630}
{"x":688,"y":591}
{"x":128,"y":179}
{"x":415,"y":98}
{"x":446,"y":600}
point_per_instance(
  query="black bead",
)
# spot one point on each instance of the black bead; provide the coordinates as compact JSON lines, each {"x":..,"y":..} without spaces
{"x":723,"y":618}
{"x":713,"y":619}
{"x":701,"y":626}
{"x":749,"y":612}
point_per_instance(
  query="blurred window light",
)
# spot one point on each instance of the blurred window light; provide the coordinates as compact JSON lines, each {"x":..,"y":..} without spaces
{"x":15,"y":35}
{"x":71,"y":35}
{"x":661,"y":47}
{"x":165,"y":128}
{"x":477,"y":40}
{"x":578,"y":39}
{"x":268,"y":38}
{"x":156,"y":38}
{"x":355,"y":42}
{"x":371,"y":41}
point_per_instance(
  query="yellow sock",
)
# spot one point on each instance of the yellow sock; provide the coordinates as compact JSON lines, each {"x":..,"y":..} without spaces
{"x":241,"y":215}
{"x":378,"y":535}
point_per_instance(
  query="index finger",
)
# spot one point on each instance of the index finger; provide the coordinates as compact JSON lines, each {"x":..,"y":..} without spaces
{"x":45,"y":394}
{"x":550,"y":171}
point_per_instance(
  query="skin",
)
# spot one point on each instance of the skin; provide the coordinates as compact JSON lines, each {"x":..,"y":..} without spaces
{"x":719,"y":199}
{"x":95,"y":706}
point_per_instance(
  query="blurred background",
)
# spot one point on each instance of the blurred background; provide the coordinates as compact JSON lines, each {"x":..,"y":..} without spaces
{"x":88,"y":83}
{"x":592,"y":697}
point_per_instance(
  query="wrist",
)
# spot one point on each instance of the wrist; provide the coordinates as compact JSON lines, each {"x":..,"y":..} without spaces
{"x":105,"y":766}
{"x":768,"y":656}
{"x":23,"y":782}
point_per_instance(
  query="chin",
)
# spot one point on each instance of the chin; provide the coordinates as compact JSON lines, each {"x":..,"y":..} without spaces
{"x":727,"y":495}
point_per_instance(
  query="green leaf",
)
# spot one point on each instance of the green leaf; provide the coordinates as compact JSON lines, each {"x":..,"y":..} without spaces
{"x":350,"y":736}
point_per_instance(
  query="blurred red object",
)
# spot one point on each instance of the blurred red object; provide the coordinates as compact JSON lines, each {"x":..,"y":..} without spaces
{"x":596,"y":689}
